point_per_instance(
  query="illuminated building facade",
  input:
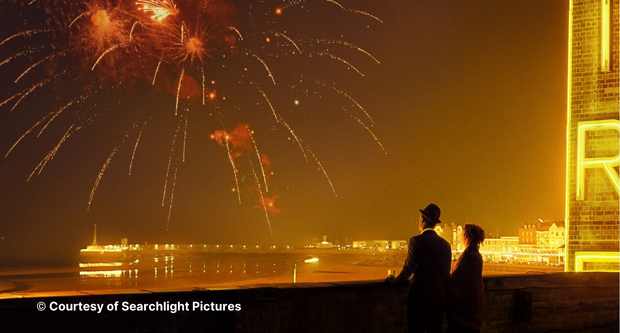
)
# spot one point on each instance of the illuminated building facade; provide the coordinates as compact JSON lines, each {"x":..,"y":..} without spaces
{"x":542,"y":234}
{"x":592,"y":137}
{"x":550,"y":235}
{"x":527,"y":234}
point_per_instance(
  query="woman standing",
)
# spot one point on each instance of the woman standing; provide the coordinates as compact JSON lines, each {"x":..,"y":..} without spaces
{"x":466,"y":286}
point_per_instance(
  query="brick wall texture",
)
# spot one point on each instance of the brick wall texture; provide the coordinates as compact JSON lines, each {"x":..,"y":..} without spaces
{"x":594,"y":94}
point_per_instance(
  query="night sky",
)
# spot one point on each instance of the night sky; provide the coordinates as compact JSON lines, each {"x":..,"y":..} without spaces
{"x":469,"y":102}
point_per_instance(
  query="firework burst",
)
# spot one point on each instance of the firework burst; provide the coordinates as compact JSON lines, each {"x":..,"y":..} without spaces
{"x":179,"y":47}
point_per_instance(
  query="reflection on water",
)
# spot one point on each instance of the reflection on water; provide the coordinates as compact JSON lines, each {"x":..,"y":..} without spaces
{"x":173,"y":270}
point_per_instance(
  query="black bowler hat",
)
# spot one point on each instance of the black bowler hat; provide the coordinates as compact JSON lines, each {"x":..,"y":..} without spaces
{"x":431,"y":213}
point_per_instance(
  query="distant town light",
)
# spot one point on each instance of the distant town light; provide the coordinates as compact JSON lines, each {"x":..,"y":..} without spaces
{"x":312,"y":260}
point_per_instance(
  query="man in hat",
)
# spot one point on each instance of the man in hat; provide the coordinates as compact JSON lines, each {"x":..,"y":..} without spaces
{"x":427,"y":268}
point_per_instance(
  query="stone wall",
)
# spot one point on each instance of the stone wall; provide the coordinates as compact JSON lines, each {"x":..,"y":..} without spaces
{"x":560,"y":302}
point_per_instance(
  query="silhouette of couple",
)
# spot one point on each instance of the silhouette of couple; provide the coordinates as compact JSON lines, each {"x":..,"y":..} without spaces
{"x":434,"y":292}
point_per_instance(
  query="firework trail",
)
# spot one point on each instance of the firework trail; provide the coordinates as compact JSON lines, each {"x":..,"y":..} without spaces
{"x":350,"y":98}
{"x":367,"y":14}
{"x":171,"y":202}
{"x":34,"y":65}
{"x":28,"y":131}
{"x":176,"y":106}
{"x":3,"y":103}
{"x":203,"y":84}
{"x":133,"y":27}
{"x":70,"y":131}
{"x":355,"y":11}
{"x":100,"y":175}
{"x":15,"y":56}
{"x":236,"y":31}
{"x":234,"y":168}
{"x":54,"y":115}
{"x":51,"y":154}
{"x":258,"y":158}
{"x":273,"y":110}
{"x":110,"y":49}
{"x":171,"y":154}
{"x":336,"y":3}
{"x":25,"y":33}
{"x":371,"y":132}
{"x":267,"y":69}
{"x":135,"y":147}
{"x":295,"y":137}
{"x":156,"y":71}
{"x":289,"y":39}
{"x":77,"y":18}
{"x":185,"y":137}
{"x":343,"y":61}
{"x":351,"y":46}
{"x":262,"y":199}
{"x":323,"y":171}
{"x":29,"y":91}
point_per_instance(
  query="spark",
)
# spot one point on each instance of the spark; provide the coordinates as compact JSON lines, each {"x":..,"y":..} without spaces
{"x":26,"y":33}
{"x":367,"y":14}
{"x":273,"y":110}
{"x":77,"y":18}
{"x":204,"y":84}
{"x":371,"y":132}
{"x":29,"y":91}
{"x":336,"y":3}
{"x":135,"y":147}
{"x":342,"y":60}
{"x":267,"y":69}
{"x":236,"y":31}
{"x":355,"y":11}
{"x":172,"y":191}
{"x":7,"y":100}
{"x":262,"y":200}
{"x":156,"y":71}
{"x":176,"y":106}
{"x":100,"y":175}
{"x":72,"y":129}
{"x":351,"y":99}
{"x":158,"y":9}
{"x":194,"y":48}
{"x":351,"y":46}
{"x":289,"y":39}
{"x":15,"y":56}
{"x":133,"y":26}
{"x":34,"y":65}
{"x":28,"y":131}
{"x":54,"y":115}
{"x":182,"y":32}
{"x":324,"y":171}
{"x":51,"y":154}
{"x":258,"y":158}
{"x":170,"y":155}
{"x":295,"y":137}
{"x":185,"y":136}
{"x":234,"y":168}
{"x":103,"y":54}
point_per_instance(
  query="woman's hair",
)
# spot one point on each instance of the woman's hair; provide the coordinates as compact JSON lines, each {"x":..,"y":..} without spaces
{"x":474,"y":234}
